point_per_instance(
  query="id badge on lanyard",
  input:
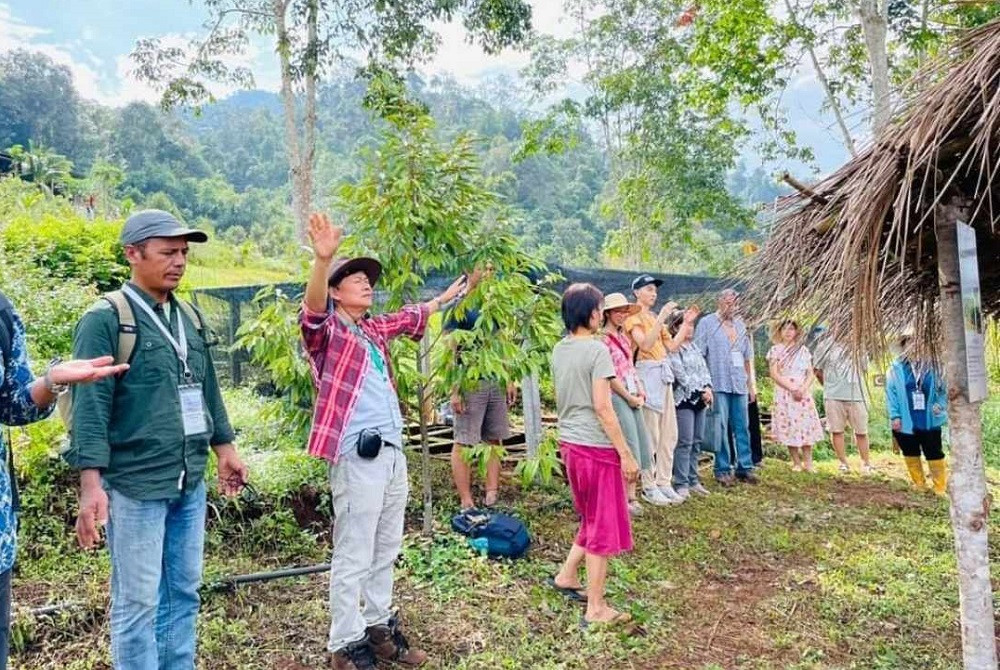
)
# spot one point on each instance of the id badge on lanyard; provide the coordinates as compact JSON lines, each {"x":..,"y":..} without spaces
{"x":737,"y":357}
{"x":191,"y":397}
{"x":919,"y":401}
{"x":192,"y":409}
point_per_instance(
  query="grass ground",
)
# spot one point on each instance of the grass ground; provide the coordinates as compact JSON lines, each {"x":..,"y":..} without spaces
{"x":806,"y":572}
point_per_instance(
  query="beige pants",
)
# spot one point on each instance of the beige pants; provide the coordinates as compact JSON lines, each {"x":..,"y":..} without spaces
{"x":662,"y":429}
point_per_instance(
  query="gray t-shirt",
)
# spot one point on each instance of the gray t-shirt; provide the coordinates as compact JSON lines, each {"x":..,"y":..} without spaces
{"x":841,"y":380}
{"x":576,"y":363}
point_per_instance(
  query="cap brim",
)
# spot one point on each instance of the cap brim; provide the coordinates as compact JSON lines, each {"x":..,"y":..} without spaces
{"x":190,"y":234}
{"x":371,"y":267}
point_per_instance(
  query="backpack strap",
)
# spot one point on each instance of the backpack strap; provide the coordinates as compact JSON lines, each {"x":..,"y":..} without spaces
{"x":193,"y":314}
{"x":128,"y":330}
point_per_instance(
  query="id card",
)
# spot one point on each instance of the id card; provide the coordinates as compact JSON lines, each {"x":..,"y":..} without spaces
{"x":630,"y":385}
{"x":737,"y":357}
{"x":192,"y":409}
{"x":919,"y":401}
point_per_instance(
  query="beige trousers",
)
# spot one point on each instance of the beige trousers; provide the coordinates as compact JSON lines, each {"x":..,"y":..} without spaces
{"x":662,"y":429}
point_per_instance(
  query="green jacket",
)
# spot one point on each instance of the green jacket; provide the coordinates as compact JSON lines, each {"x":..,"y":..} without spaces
{"x":130,"y":427}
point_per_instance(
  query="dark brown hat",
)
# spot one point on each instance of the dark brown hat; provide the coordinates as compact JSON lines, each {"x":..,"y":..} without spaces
{"x":342,"y":267}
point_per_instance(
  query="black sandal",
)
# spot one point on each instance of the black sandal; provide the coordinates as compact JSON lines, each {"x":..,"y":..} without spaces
{"x":576,"y":595}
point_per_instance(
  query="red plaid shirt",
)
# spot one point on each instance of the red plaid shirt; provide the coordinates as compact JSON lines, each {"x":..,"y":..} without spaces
{"x":339,"y":360}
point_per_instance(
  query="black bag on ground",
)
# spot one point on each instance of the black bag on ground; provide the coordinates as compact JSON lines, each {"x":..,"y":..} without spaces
{"x":500,"y":535}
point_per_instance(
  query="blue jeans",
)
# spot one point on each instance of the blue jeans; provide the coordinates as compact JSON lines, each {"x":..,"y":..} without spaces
{"x":729,"y":411}
{"x":4,"y":617}
{"x":156,"y":557}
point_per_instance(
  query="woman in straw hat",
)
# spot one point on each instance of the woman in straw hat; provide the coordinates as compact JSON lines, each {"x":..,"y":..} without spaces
{"x":628,"y":396}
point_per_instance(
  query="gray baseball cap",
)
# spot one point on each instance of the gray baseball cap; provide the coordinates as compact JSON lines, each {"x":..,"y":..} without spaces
{"x":149,"y":223}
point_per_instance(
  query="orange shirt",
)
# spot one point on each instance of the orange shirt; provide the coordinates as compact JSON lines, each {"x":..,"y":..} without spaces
{"x":645,"y":321}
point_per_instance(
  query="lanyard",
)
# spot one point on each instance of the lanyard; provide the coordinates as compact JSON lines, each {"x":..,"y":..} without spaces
{"x":180,"y":347}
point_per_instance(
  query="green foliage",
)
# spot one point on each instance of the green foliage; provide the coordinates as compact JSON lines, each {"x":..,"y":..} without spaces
{"x":543,"y":466}
{"x":422,"y":207}
{"x":272,"y":340}
{"x":55,"y":238}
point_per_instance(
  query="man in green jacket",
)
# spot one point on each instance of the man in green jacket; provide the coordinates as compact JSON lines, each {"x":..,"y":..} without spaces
{"x":141,"y":443}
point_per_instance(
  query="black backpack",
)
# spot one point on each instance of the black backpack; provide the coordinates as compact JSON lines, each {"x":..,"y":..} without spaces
{"x":7,"y":353}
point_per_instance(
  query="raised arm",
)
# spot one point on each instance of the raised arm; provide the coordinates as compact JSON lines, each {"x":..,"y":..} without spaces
{"x":325,"y":239}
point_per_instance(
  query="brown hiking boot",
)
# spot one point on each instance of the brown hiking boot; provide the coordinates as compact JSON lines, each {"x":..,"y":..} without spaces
{"x":388,"y":644}
{"x":355,"y":656}
{"x":726,"y":481}
{"x":748,"y":478}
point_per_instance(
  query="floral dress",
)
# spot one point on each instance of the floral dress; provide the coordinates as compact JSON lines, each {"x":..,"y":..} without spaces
{"x":794,"y":423}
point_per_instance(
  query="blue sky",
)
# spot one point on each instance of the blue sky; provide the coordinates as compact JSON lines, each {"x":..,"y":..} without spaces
{"x":94,"y":38}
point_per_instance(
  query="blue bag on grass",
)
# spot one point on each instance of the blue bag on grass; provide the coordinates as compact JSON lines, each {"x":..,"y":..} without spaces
{"x":499,"y":535}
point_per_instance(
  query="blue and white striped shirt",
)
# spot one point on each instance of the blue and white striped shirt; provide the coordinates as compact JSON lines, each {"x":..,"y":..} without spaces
{"x":712,"y":340}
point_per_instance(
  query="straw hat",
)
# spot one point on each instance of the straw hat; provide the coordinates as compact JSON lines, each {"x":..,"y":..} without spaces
{"x":617,"y":301}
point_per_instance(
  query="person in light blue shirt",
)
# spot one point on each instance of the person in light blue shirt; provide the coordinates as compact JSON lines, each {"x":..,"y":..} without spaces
{"x":23,"y":400}
{"x":724,"y":341}
{"x":917,"y":404}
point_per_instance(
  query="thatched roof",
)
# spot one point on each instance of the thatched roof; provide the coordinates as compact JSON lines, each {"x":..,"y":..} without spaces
{"x":860,"y":252}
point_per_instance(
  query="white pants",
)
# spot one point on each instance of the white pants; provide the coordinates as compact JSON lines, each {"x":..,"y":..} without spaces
{"x":369,"y":505}
{"x":662,"y":429}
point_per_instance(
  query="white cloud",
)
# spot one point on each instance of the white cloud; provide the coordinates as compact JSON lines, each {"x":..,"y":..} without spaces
{"x":469,"y":64}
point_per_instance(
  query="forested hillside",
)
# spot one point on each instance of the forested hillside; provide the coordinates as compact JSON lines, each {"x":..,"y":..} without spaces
{"x":225,"y":165}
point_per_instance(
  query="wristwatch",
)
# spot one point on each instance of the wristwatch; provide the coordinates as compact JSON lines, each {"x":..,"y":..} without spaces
{"x":50,"y":386}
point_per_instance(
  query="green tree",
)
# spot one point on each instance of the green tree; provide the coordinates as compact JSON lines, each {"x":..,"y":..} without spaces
{"x":38,"y":103}
{"x":41,"y":165}
{"x":668,"y":146}
{"x":311,"y":36}
{"x":422,"y":207}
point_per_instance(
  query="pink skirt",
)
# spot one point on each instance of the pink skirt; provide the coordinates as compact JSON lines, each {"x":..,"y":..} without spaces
{"x":599,"y":496}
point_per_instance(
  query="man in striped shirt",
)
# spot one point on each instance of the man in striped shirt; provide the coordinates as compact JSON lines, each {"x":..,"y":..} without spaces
{"x":358,"y":428}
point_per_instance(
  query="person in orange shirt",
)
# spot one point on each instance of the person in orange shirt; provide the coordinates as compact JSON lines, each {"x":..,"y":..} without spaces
{"x":653,"y":343}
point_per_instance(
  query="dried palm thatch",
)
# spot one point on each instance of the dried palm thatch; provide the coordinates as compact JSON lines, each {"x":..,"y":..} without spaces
{"x":858,"y":249}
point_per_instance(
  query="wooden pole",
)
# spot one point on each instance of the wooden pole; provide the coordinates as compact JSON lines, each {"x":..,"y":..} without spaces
{"x":970,"y":499}
{"x":532,"y":399}
{"x":234,"y":353}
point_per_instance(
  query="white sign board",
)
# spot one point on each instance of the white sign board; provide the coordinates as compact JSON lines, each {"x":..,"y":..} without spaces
{"x":972,"y":313}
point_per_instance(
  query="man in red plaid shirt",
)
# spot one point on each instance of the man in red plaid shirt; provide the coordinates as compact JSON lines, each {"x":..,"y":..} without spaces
{"x":358,"y":428}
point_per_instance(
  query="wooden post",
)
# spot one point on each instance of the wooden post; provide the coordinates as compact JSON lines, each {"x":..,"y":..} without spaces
{"x":234,"y":353}
{"x":970,"y":499}
{"x":423,"y":393}
{"x":532,"y":400}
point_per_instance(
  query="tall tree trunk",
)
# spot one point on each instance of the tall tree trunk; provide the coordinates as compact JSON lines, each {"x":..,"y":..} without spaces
{"x":874,"y":16}
{"x":300,"y":171}
{"x":970,"y":500}
{"x":831,"y":98}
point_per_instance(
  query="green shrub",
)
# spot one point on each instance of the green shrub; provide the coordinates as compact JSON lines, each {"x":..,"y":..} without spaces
{"x":68,"y":246}
{"x":49,"y":308}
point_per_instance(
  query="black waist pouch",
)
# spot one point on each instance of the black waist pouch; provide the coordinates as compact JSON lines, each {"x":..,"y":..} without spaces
{"x":369,"y":443}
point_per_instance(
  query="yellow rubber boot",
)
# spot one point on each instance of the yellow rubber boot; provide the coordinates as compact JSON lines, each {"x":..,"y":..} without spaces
{"x":939,"y":475}
{"x":915,"y":466}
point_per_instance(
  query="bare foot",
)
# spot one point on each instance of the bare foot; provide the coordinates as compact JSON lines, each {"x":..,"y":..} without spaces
{"x":564,"y":583}
{"x":606,"y":615}
{"x":491,"y":498}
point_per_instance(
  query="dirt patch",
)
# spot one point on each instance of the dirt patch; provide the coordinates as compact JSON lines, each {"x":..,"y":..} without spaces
{"x":875,"y":494}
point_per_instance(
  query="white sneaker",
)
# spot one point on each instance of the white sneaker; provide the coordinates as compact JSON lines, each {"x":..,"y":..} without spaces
{"x":682,"y":492}
{"x":866,"y":469}
{"x":670,"y":494}
{"x":700,"y":490}
{"x":845,"y":468}
{"x":634,"y":508}
{"x":655,"y":497}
